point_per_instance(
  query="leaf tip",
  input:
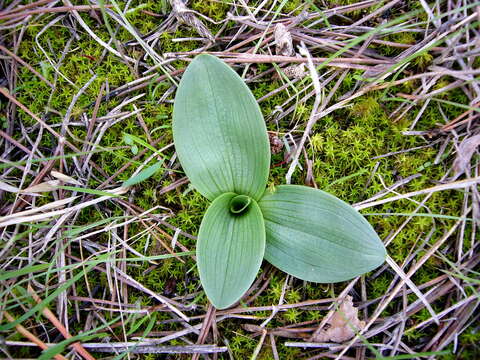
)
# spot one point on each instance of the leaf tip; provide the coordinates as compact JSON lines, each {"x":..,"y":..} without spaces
{"x":206,"y":60}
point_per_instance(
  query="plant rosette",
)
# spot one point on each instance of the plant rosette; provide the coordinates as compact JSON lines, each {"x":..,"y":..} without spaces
{"x":221,"y":141}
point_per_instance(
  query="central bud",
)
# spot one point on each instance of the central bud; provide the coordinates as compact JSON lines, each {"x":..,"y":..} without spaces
{"x":239,"y":204}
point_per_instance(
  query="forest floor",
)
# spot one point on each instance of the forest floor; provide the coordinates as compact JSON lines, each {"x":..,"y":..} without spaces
{"x":97,"y":256}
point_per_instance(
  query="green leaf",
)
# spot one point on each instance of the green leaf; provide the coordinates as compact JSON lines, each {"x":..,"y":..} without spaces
{"x":87,"y":190}
{"x":230,"y":250}
{"x":315,"y":236}
{"x":144,"y":174}
{"x":219,"y":132}
{"x":130,"y":139}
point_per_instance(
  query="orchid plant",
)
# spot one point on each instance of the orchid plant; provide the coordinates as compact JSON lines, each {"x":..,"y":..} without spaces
{"x":221,"y":141}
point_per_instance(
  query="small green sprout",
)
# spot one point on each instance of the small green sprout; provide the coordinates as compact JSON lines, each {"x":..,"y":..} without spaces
{"x":222,"y":143}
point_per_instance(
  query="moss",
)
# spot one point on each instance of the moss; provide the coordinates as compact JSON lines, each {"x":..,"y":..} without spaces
{"x":343,"y":146}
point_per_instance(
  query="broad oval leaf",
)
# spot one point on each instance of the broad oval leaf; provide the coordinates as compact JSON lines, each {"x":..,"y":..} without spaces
{"x":219,"y":132}
{"x":230,"y":250}
{"x":315,"y":236}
